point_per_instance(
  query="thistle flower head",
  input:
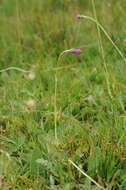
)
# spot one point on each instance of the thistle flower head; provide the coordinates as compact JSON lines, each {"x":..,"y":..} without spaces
{"x":76,"y":51}
{"x":78,"y":17}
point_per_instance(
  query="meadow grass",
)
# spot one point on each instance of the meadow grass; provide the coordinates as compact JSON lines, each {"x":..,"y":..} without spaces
{"x":63,"y":122}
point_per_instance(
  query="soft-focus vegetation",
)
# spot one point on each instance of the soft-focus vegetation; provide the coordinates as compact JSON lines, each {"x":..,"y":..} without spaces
{"x":91,"y":124}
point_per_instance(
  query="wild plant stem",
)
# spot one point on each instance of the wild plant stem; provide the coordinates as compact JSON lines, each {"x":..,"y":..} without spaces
{"x":14,"y":68}
{"x":55,"y":92}
{"x":81,"y":171}
{"x":106,"y":34}
{"x":102,"y":50}
{"x":55,"y":105}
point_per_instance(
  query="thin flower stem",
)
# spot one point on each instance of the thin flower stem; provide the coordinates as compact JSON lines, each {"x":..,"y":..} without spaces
{"x":106,"y":34}
{"x":18,"y":22}
{"x":14,"y":68}
{"x":102,"y":50}
{"x":80,"y":170}
{"x":55,"y":105}
{"x":55,"y":91}
{"x":76,"y":51}
{"x":55,"y":94}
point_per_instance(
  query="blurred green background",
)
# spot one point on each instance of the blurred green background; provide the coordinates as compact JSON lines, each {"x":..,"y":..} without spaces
{"x":90,"y":125}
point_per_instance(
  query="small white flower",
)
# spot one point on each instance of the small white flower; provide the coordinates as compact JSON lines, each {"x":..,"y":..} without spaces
{"x":31,"y":75}
{"x":30,"y":104}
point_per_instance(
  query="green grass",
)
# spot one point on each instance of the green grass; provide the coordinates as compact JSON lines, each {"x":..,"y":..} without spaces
{"x":64,"y":112}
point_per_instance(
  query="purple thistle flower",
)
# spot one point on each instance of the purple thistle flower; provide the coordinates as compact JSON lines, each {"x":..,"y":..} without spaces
{"x":78,"y":17}
{"x":76,"y":51}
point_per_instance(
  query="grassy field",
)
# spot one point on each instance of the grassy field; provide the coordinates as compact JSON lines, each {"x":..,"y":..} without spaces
{"x":55,"y":115}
